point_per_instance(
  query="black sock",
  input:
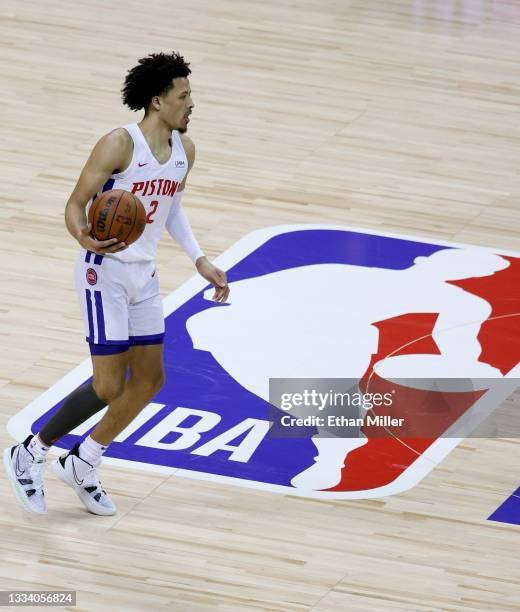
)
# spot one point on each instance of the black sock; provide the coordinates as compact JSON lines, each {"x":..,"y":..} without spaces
{"x":79,"y":406}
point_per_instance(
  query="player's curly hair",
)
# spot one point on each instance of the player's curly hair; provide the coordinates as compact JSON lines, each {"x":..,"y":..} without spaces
{"x":151,"y":77}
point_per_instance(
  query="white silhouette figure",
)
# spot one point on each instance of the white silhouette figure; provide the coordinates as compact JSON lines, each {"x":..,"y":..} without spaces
{"x":317,"y":322}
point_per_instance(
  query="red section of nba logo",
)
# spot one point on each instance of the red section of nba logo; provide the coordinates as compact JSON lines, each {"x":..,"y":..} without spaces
{"x":499,"y":336}
{"x":381,"y":460}
{"x":91,"y":276}
{"x":407,"y":334}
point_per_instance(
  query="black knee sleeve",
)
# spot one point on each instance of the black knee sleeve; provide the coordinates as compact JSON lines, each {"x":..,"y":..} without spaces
{"x":79,"y":406}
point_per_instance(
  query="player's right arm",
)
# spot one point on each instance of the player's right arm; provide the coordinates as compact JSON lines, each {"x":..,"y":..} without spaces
{"x":112,"y":153}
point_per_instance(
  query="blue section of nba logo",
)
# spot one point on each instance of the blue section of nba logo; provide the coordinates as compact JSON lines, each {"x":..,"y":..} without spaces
{"x":195,"y":380}
{"x":509,"y":511}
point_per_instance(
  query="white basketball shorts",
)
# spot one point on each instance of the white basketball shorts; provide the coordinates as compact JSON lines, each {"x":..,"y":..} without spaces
{"x":120,"y":303}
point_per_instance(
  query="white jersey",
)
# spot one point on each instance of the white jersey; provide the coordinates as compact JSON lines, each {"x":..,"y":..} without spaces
{"x":155,"y":185}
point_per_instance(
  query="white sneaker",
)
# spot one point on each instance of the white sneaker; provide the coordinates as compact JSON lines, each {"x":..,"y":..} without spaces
{"x":82,"y":477}
{"x":25,"y":475}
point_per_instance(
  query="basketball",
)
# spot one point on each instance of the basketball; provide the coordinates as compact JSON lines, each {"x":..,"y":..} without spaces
{"x":117,"y":214}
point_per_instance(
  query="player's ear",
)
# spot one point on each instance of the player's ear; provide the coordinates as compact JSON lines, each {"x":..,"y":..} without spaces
{"x":155,"y":103}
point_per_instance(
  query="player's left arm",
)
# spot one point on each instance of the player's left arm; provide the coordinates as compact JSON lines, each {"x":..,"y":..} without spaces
{"x":179,"y":228}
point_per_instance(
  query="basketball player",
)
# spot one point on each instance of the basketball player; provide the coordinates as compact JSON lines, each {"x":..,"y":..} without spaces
{"x":117,"y":285}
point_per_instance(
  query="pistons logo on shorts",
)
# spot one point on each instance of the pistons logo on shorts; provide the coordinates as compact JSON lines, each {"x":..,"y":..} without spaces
{"x":91,"y":276}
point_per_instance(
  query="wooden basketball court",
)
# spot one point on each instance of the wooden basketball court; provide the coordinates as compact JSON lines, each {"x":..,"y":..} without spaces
{"x":397,"y":116}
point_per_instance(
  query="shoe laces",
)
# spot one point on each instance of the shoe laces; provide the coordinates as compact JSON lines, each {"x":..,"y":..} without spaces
{"x":91,"y":478}
{"x":35,"y":472}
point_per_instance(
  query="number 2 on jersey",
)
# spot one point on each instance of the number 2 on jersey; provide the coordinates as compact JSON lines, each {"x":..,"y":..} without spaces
{"x":154,"y":204}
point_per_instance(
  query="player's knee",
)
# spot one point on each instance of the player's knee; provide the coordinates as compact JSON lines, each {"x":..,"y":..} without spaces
{"x":157,"y":382}
{"x":108,"y":390}
{"x":152,"y":384}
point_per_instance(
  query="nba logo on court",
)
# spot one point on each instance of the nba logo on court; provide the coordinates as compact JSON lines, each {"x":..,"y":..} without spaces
{"x":317,"y":302}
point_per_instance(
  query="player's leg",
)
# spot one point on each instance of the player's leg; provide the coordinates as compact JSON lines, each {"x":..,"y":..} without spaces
{"x":107,"y":384}
{"x":104,"y":306}
{"x":78,"y":467}
{"x":146,"y":375}
{"x":24,"y":462}
{"x":146,"y":335}
{"x":145,"y":380}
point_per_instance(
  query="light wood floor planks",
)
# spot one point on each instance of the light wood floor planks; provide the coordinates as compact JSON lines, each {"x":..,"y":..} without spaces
{"x":389,"y":114}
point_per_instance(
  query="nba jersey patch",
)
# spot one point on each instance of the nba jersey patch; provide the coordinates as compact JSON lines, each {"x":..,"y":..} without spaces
{"x":317,"y":302}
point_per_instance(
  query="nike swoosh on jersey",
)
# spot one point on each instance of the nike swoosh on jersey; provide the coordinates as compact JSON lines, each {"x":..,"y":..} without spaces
{"x":141,"y":165}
